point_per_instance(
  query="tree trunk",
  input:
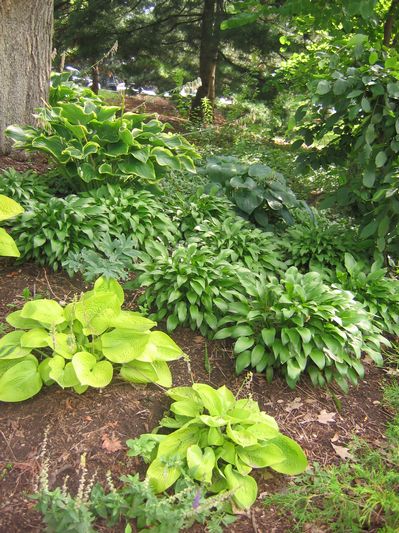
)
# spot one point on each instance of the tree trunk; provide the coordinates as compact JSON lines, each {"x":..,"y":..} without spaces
{"x":25,"y":61}
{"x":95,"y":79}
{"x":390,"y":22}
{"x":209,"y":51}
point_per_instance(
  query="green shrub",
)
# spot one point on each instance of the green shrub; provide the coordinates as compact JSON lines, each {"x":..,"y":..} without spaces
{"x":136,"y":213}
{"x":297,"y":325}
{"x":191,"y":285}
{"x":112,"y":259}
{"x":250,"y":246}
{"x":47,"y":231}
{"x":198,"y":208}
{"x":372,"y":287}
{"x":217,"y":440}
{"x":258,"y":192}
{"x":77,"y":345}
{"x":8,"y":209}
{"x":321,"y":245}
{"x":92,"y":143}
{"x":23,"y":187}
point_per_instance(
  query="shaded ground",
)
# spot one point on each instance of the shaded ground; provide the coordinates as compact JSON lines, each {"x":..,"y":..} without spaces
{"x":99,"y":421}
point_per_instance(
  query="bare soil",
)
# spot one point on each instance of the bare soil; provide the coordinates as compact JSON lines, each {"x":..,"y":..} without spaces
{"x":89,"y":425}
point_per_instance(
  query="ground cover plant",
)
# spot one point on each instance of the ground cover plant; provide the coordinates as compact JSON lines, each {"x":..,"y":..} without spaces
{"x":216,"y":440}
{"x":23,"y":187}
{"x":77,"y":346}
{"x":297,"y":325}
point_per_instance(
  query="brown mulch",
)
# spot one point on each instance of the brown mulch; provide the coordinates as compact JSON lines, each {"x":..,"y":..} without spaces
{"x":22,"y":162}
{"x":97,"y":424}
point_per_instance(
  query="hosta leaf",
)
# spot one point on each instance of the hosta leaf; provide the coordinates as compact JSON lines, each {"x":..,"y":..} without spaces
{"x":200,"y":464}
{"x":44,"y":311}
{"x":17,"y":321}
{"x":210,"y":398}
{"x":90,"y":372}
{"x":245,"y":489}
{"x":109,"y":285}
{"x":63,"y":373}
{"x":63,"y":344}
{"x":35,"y":338}
{"x":9,"y":208}
{"x":241,"y":436}
{"x":10,"y":346}
{"x":140,"y":372}
{"x":160,"y":476}
{"x":132,"y":321}
{"x":268,"y":336}
{"x":20,"y":382}
{"x":295,"y":460}
{"x":261,"y":455}
{"x":186,"y":408}
{"x":95,"y":311}
{"x":124,"y":345}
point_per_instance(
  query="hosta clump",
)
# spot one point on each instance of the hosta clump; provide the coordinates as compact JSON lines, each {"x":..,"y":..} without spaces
{"x":372,"y":287}
{"x":137,"y":213}
{"x":8,"y":209}
{"x":92,"y":143}
{"x":254,"y":248}
{"x":112,"y":259}
{"x":216,"y":440}
{"x":320,"y":245}
{"x":191,"y":285}
{"x":23,"y":187}
{"x":258,"y":191}
{"x":47,"y":231}
{"x":80,"y":345}
{"x":198,"y":208}
{"x":301,"y":325}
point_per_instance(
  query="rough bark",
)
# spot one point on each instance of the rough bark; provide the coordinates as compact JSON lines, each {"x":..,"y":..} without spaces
{"x":95,"y":76}
{"x":390,"y":22}
{"x":25,"y":61}
{"x":209,"y":52}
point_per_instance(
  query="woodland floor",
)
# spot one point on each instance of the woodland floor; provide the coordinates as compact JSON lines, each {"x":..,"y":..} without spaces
{"x":99,"y":422}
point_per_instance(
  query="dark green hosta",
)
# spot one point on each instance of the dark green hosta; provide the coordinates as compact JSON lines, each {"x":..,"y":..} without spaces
{"x":300,"y":325}
{"x":372,"y":287}
{"x":91,"y":143}
{"x":79,"y":345}
{"x":243,"y":243}
{"x":216,"y":440}
{"x":24,"y":187}
{"x":258,"y":191}
{"x":321,"y":245}
{"x":191,"y":285}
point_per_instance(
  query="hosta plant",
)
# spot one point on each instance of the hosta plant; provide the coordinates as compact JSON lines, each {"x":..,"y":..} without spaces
{"x":91,"y":143}
{"x":243,"y":243}
{"x":300,"y":325}
{"x":320,"y":245}
{"x":8,"y":209}
{"x":47,"y":231}
{"x":136,"y":213}
{"x":191,"y":285}
{"x":23,"y":187}
{"x":258,"y":191}
{"x":81,"y":345}
{"x":216,"y":440}
{"x":372,"y":287}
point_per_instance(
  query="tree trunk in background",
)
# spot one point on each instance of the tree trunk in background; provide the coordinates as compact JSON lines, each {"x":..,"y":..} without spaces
{"x":95,"y":76}
{"x":209,"y":51}
{"x":390,"y":22}
{"x":25,"y":61}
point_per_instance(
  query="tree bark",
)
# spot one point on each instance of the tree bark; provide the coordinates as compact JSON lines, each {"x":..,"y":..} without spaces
{"x":95,"y":77}
{"x":390,"y":22}
{"x":209,"y":52}
{"x":25,"y":61}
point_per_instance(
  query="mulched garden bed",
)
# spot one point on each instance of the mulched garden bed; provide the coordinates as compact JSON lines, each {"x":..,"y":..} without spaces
{"x":97,"y":424}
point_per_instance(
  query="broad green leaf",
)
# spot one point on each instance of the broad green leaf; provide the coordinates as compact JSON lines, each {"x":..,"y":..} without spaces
{"x":90,"y":372}
{"x":210,"y":398}
{"x":48,"y":312}
{"x":261,"y":455}
{"x":268,"y":336}
{"x":200,"y":464}
{"x":10,"y":346}
{"x":124,"y":345}
{"x":109,"y":285}
{"x":8,"y":248}
{"x":380,"y":159}
{"x":132,"y":321}
{"x":35,"y":338}
{"x":241,"y":436}
{"x":323,"y":87}
{"x":242,"y":344}
{"x":17,"y":321}
{"x":96,"y":310}
{"x":295,"y":461}
{"x":9,"y":208}
{"x":61,"y":372}
{"x":63,"y":344}
{"x":245,"y":489}
{"x":160,"y":476}
{"x":186,"y":408}
{"x":20,"y":382}
{"x":165,"y":157}
{"x":139,"y":372}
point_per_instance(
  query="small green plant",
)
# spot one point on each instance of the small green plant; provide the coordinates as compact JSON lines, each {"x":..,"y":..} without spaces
{"x":254,"y":248}
{"x":299,"y":324}
{"x":372,"y":287}
{"x":259,"y":192}
{"x":217,"y":440}
{"x":23,"y":187}
{"x":92,"y":143}
{"x":8,"y":209}
{"x":112,"y":259}
{"x":77,"y":346}
{"x":320,"y":245}
{"x":191,"y":285}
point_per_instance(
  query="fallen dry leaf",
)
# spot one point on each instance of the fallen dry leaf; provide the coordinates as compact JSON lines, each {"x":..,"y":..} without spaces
{"x":295,"y":404}
{"x":110,"y":444}
{"x":335,"y":438}
{"x":325,"y":417}
{"x":342,"y":452}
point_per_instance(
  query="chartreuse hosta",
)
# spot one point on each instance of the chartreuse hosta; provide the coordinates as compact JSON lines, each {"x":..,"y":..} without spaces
{"x":8,"y":209}
{"x":81,"y":345}
{"x":217,"y":441}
